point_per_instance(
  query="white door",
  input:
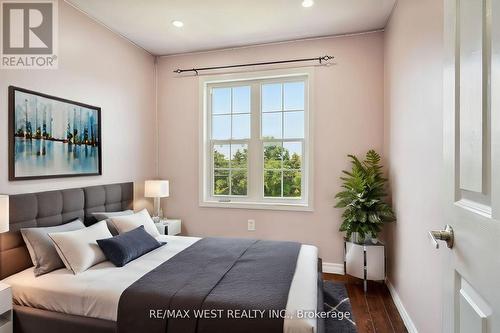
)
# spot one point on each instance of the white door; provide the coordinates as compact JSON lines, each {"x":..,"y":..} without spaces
{"x":472,"y":165}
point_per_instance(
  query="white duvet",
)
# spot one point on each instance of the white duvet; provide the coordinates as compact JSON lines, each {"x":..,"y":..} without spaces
{"x":96,"y":292}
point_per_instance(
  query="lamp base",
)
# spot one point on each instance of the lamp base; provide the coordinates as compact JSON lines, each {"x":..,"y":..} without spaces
{"x":158,"y":214}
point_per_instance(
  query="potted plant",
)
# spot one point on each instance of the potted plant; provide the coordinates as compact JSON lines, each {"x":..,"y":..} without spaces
{"x":363,"y":197}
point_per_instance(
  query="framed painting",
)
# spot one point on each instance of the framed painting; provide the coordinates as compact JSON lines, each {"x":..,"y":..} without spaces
{"x":52,"y":137}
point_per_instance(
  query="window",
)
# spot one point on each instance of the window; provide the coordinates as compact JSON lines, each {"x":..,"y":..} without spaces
{"x":255,"y":149}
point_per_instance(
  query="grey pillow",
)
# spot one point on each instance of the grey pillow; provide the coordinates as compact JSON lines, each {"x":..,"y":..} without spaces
{"x":41,"y":248}
{"x":108,"y":215}
{"x":128,"y":246}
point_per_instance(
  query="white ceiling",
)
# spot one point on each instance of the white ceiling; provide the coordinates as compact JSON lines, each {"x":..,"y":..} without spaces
{"x":216,"y":24}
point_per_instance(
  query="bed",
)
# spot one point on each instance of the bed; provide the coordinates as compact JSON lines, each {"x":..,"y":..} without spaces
{"x":90,"y":302}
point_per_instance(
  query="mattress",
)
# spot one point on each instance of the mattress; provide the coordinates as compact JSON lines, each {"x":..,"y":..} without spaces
{"x":96,"y":292}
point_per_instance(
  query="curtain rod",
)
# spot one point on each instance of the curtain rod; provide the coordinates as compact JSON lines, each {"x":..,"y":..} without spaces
{"x":196,"y":70}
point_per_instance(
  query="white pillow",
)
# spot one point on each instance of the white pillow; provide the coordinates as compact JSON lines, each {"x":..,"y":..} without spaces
{"x":100,"y":216}
{"x":78,"y":249}
{"x":127,"y":223}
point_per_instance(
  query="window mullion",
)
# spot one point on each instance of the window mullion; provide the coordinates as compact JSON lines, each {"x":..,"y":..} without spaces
{"x":282,"y":136}
{"x":255,"y":173}
{"x":230,"y":165}
{"x":231,"y":146}
{"x":209,"y":183}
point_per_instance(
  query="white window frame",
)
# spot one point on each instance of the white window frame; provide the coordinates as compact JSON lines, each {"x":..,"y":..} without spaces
{"x":255,"y":196}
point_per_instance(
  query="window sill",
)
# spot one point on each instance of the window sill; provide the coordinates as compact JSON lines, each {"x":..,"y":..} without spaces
{"x":258,"y":205}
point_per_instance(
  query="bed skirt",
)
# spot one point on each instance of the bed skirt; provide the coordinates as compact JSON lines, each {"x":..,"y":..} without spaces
{"x":32,"y":320}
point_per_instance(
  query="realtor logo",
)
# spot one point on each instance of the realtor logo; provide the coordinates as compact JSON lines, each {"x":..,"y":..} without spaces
{"x":29,"y":34}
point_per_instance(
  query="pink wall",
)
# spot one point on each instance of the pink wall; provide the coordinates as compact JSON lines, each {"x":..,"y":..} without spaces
{"x":96,"y":67}
{"x":413,"y":147}
{"x":348,"y":119}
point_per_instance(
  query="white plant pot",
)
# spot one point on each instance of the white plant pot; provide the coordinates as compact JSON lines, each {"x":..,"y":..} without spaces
{"x":356,"y":238}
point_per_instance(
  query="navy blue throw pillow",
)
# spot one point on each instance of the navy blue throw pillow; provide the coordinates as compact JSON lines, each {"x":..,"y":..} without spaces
{"x":128,"y":246}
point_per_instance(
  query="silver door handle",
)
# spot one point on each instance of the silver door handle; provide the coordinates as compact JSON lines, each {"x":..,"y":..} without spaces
{"x":442,"y":235}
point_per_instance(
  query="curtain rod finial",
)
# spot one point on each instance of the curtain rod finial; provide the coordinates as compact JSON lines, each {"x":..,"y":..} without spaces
{"x":178,"y":71}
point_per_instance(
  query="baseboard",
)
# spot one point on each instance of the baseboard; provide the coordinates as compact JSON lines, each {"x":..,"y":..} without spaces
{"x":410,"y":326}
{"x":333,"y":268}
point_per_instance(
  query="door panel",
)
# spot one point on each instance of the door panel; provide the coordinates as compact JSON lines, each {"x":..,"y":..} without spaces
{"x":470,"y":59}
{"x":473,"y":310}
{"x":472,"y":169}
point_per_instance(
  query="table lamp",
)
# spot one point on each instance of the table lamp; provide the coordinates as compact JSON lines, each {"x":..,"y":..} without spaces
{"x":4,"y":213}
{"x":156,"y":189}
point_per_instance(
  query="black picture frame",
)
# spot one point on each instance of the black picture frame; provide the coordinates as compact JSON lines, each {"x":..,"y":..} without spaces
{"x":12,"y":136}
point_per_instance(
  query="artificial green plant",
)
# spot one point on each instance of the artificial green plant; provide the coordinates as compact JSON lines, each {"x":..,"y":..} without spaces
{"x":363,"y":194}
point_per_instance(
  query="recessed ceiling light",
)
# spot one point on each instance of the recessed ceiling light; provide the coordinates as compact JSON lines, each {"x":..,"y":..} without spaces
{"x":307,"y":3}
{"x":177,"y":24}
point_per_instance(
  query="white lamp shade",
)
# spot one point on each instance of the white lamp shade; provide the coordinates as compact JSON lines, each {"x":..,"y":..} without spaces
{"x":156,"y":189}
{"x":4,"y":213}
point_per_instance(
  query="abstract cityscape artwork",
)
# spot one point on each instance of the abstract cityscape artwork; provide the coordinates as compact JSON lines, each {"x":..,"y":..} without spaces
{"x":51,"y":137}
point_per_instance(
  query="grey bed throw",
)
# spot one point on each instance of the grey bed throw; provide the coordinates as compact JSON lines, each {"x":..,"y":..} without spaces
{"x":221,"y":274}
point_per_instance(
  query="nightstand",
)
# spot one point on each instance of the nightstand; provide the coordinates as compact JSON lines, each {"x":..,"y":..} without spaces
{"x":5,"y":309}
{"x":169,"y":227}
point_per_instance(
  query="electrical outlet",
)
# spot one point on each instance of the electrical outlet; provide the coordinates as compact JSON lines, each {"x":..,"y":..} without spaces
{"x":251,"y":225}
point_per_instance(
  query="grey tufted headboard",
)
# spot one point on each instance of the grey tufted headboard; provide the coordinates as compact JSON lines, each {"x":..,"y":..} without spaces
{"x":54,"y":208}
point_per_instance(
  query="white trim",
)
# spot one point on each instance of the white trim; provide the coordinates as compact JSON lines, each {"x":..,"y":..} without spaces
{"x":475,"y":207}
{"x":206,"y":200}
{"x":410,"y":326}
{"x":256,"y":205}
{"x":333,"y":268}
{"x":353,"y":34}
{"x":157,"y":126}
{"x":119,"y":34}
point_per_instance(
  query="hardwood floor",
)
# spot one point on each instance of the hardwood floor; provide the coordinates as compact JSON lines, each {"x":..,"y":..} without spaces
{"x":374,"y":311}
